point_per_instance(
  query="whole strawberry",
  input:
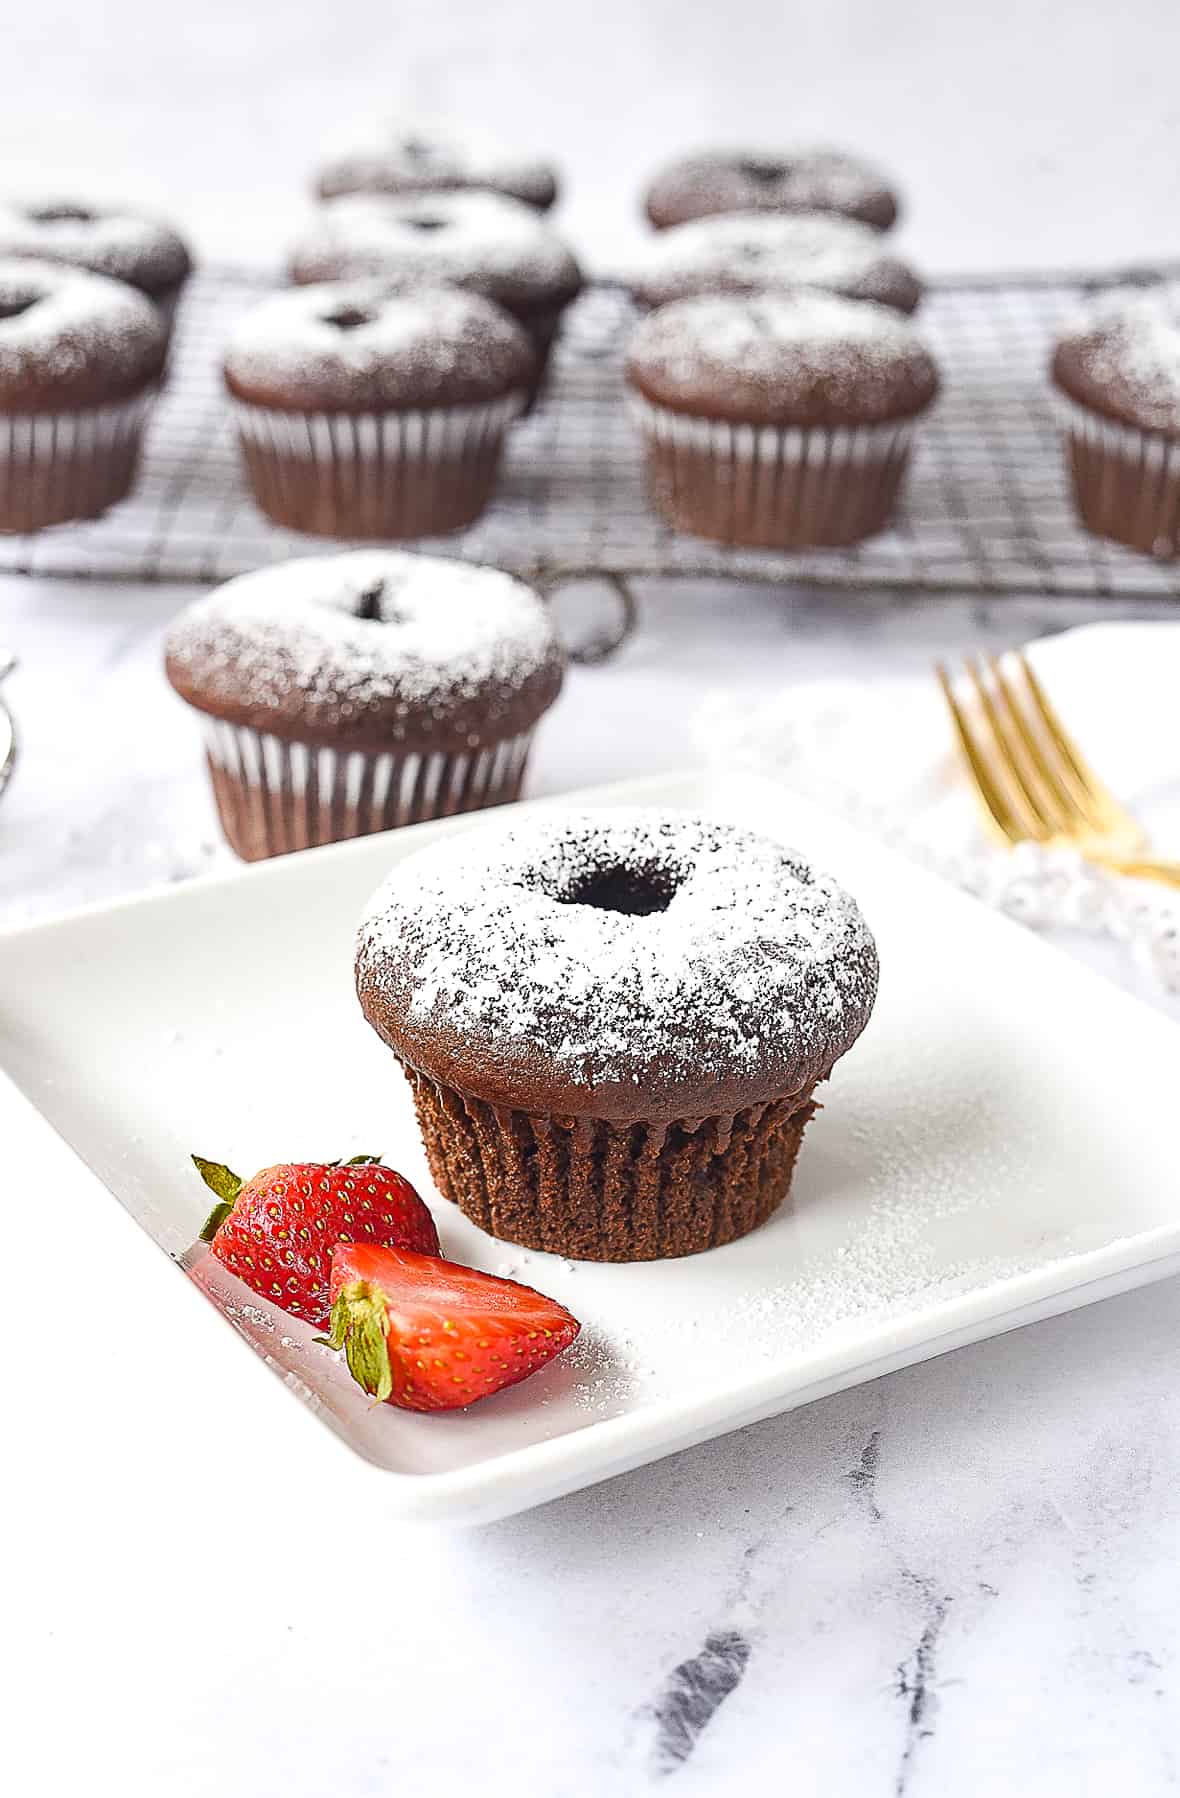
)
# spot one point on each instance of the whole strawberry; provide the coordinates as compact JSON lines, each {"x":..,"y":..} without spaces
{"x":429,"y":1335}
{"x":277,"y":1231}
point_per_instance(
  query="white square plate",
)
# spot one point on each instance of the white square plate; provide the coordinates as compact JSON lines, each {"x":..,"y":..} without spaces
{"x":999,"y":1147}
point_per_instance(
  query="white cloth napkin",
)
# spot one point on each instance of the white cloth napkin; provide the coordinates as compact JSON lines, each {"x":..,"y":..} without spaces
{"x":883,"y":755}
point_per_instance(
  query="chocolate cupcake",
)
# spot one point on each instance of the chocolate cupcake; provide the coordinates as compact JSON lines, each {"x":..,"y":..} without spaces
{"x":105,"y":240}
{"x":80,"y":361}
{"x":367,"y":409}
{"x":429,"y":159}
{"x":351,"y":693}
{"x":751,"y":181}
{"x":1118,"y":385}
{"x":614,"y":1023}
{"x":477,"y":241}
{"x":759,"y":252}
{"x":780,"y":422}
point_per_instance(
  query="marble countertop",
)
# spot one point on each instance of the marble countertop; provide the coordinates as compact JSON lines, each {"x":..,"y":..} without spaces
{"x":961,"y":1578}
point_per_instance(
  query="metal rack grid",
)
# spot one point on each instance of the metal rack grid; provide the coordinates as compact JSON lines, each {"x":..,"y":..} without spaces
{"x":986,"y":509}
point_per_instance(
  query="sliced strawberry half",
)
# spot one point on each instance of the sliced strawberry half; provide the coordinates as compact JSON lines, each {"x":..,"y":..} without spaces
{"x":429,"y":1335}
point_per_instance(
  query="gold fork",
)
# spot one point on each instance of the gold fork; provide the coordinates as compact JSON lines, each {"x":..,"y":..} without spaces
{"x":1031,"y":778}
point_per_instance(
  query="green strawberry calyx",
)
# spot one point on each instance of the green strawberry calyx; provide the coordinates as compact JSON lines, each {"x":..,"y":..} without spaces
{"x":358,"y":1324}
{"x":226,"y":1184}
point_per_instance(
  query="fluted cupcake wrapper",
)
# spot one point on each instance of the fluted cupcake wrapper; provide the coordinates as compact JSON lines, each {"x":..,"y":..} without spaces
{"x":379,"y":474}
{"x":1126,"y":481}
{"x":598,"y":1191}
{"x":55,"y":466}
{"x":274,"y":796}
{"x":772,"y":487}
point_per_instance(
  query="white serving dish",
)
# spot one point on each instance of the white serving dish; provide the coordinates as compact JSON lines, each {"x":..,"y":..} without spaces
{"x":999,"y":1147}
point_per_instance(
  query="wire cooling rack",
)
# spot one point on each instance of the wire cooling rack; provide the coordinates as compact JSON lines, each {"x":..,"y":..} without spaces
{"x":986,"y":509}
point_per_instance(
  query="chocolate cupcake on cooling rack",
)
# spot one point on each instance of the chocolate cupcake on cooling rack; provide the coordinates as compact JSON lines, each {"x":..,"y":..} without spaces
{"x":80,"y":361}
{"x":778,"y":422}
{"x":481,"y":242}
{"x":367,"y":409}
{"x":115,"y":241}
{"x":761,"y":252}
{"x":614,"y":1023}
{"x":802,"y":180}
{"x":1118,"y":384}
{"x":427,"y":158}
{"x":347,"y":694}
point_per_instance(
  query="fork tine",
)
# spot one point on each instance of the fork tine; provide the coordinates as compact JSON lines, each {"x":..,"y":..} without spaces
{"x":1103,"y":808}
{"x":1034,"y":817}
{"x":1060,"y":805}
{"x":991,"y":796}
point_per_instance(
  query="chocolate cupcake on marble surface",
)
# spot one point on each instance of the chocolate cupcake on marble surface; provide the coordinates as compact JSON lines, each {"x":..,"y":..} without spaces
{"x":1118,"y":383}
{"x":759,"y":252}
{"x":425,"y":157}
{"x":614,"y":1023}
{"x":779,"y":422}
{"x":80,"y":361}
{"x":115,"y":241}
{"x":347,"y":694}
{"x":481,"y":242}
{"x":801,"y":180}
{"x":370,"y":409}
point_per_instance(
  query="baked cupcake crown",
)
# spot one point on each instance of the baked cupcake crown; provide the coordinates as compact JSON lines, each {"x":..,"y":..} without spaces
{"x":803,"y":358}
{"x":793,"y":180}
{"x":373,"y":345}
{"x":424,"y":157}
{"x":370,"y":649}
{"x":631,"y":964}
{"x":1124,"y":361}
{"x":69,"y":339}
{"x":107,"y":240}
{"x":760,"y":252}
{"x":479,"y":241}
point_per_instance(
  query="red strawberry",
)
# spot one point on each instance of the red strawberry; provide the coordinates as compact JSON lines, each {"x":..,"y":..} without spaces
{"x":429,"y":1335}
{"x":278,"y":1230}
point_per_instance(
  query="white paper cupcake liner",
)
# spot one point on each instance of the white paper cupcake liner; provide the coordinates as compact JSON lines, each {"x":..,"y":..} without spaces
{"x":439,"y":434}
{"x":274,"y":796}
{"x":375,"y":475}
{"x":770,"y":486}
{"x":1126,"y":480}
{"x":55,"y":466}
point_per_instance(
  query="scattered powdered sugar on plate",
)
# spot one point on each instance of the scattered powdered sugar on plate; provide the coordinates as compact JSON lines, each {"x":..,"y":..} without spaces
{"x":635,"y":945}
{"x":443,"y":631}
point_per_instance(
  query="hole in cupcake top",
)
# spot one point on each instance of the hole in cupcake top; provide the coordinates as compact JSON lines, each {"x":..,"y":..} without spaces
{"x":370,"y":607}
{"x":348,"y":318}
{"x":762,"y":174}
{"x":633,"y":892}
{"x":62,"y":215}
{"x":424,"y":222}
{"x":15,"y":305}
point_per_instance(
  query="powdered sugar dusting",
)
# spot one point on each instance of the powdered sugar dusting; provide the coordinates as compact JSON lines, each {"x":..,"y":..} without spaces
{"x":478,"y":240}
{"x":747,"y":962}
{"x":60,"y":326}
{"x":426,"y":156}
{"x":1133,"y":347}
{"x":374,"y":342}
{"x":445,"y":632}
{"x":758,"y":252}
{"x":799,"y":179}
{"x":779,"y":346}
{"x":110,"y":241}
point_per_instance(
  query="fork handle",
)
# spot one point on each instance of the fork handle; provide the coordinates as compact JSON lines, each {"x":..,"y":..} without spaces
{"x":1139,"y":867}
